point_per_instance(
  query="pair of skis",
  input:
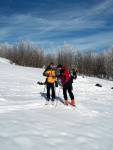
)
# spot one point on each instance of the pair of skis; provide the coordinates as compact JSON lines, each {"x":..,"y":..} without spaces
{"x":73,"y":107}
{"x":55,"y":104}
{"x":48,"y":102}
{"x":70,"y":106}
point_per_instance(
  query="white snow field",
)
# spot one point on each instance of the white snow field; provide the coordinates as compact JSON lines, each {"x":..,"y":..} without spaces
{"x":26,"y":123}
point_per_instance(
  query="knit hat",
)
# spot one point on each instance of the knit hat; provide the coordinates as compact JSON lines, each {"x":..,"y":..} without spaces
{"x":52,"y":63}
{"x":59,"y":66}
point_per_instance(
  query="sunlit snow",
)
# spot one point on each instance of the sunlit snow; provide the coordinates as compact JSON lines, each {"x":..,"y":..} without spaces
{"x":26,"y":123}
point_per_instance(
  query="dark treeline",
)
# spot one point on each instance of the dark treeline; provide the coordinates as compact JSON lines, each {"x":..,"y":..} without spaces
{"x":89,"y":63}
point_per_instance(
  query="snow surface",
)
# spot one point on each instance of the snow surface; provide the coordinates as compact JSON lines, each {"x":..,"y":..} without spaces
{"x":27,"y":124}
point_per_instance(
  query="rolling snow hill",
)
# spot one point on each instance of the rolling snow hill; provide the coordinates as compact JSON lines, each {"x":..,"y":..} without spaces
{"x":26,"y":123}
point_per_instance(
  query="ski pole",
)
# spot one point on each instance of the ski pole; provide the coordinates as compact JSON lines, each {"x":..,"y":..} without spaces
{"x":80,"y":109}
{"x":43,"y":91}
{"x":57,"y":98}
{"x":58,"y":92}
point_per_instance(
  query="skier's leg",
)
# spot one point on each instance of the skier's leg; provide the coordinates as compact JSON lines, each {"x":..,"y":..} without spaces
{"x":65,"y":94}
{"x":48,"y":91}
{"x":53,"y":91}
{"x":70,"y":92}
{"x":71,"y":95}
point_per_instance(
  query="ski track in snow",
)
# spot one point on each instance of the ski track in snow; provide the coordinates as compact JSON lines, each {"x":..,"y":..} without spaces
{"x":27,"y":123}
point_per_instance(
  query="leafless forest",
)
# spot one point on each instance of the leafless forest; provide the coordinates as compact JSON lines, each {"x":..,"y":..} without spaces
{"x":89,"y":63}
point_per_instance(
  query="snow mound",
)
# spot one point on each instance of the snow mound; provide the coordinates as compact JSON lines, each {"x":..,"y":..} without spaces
{"x":4,"y":61}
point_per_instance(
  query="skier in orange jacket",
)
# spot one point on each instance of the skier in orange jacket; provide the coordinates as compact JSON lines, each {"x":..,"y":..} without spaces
{"x":50,"y":74}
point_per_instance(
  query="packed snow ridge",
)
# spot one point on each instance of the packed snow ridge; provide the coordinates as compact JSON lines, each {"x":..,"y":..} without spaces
{"x":26,"y":123}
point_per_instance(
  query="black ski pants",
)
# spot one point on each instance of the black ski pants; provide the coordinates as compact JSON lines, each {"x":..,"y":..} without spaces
{"x":50,"y":86}
{"x":68,"y":88}
{"x":74,"y":75}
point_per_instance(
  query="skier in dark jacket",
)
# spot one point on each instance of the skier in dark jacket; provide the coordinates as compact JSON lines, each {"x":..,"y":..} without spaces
{"x":74,"y":73}
{"x":66,"y":83}
{"x":50,"y":74}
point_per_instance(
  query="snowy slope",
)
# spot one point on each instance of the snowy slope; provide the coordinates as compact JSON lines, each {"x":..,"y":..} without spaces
{"x":27,"y":124}
{"x":4,"y":61}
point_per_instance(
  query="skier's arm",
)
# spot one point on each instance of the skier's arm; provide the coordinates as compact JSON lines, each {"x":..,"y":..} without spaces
{"x":63,"y":80}
{"x":45,"y":74}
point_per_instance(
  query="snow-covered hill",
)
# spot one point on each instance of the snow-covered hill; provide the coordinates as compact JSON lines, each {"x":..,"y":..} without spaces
{"x":4,"y":61}
{"x":27,"y":124}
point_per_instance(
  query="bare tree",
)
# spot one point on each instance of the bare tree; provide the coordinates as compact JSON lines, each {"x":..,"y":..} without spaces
{"x":109,"y":63}
{"x":65,"y":56}
{"x":89,"y":63}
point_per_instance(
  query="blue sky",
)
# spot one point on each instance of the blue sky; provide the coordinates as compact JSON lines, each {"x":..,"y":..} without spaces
{"x":84,"y":24}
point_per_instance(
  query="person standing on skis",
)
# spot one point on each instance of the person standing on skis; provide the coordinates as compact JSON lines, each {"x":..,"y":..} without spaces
{"x":50,"y":74}
{"x":66,"y":83}
{"x":75,"y":72}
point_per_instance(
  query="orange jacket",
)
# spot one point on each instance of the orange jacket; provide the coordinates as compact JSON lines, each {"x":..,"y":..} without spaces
{"x":50,"y":74}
